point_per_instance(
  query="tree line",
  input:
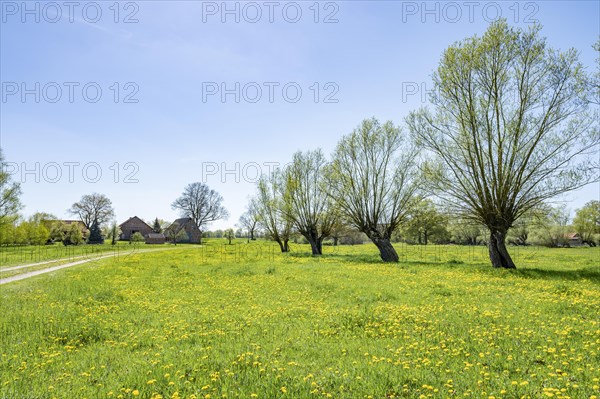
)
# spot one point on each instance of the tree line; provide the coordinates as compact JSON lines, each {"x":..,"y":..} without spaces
{"x":511,"y":127}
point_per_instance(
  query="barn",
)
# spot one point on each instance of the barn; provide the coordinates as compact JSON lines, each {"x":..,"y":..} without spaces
{"x":134,"y":225}
{"x":190,"y":228}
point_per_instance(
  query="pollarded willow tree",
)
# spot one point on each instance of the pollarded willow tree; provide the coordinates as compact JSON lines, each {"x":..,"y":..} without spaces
{"x":249,"y":220}
{"x":372,"y":178}
{"x":509,"y":129}
{"x":311,"y":210}
{"x":271,"y":209}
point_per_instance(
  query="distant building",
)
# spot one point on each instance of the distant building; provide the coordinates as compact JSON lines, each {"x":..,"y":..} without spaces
{"x":134,"y":225}
{"x":190,"y":228}
{"x":574,"y":240}
{"x":156,"y":238}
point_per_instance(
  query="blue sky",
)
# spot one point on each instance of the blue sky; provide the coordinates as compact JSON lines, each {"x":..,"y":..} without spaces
{"x":156,"y":120}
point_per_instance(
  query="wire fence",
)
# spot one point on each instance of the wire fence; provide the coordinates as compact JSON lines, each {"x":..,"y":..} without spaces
{"x":18,"y":255}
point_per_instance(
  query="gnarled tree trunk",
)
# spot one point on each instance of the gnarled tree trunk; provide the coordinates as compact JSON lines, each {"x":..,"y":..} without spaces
{"x":386,"y":249}
{"x":283,"y":245}
{"x":315,"y":241}
{"x":316,"y":245}
{"x":498,"y":253}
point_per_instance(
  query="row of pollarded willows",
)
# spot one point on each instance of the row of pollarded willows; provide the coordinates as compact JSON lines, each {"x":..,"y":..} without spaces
{"x":510,"y":128}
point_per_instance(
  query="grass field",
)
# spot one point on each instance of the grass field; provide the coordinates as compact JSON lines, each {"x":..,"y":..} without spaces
{"x":245,"y":321}
{"x":16,"y":255}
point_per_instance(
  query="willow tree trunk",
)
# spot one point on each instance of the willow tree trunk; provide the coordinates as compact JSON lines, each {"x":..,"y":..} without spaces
{"x":386,"y":249}
{"x":283,"y":245}
{"x":316,"y":245}
{"x":315,"y":241}
{"x":498,"y":253}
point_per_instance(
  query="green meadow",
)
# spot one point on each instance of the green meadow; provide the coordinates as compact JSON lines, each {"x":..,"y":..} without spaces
{"x":30,"y":254}
{"x":245,"y":321}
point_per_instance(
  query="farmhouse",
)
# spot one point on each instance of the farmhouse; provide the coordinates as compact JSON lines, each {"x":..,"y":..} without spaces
{"x":574,"y":240}
{"x":134,"y":225}
{"x":187,"y":225}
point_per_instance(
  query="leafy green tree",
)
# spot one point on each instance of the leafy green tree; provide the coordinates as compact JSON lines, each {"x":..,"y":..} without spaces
{"x":176,"y":234}
{"x":587,"y":223}
{"x":595,"y":77}
{"x":38,"y":234}
{"x":518,"y":234}
{"x":250,"y":220}
{"x":114,"y":233}
{"x":73,"y":234}
{"x":42,"y":217}
{"x":309,"y":208}
{"x":229,"y":235}
{"x":95,"y":236}
{"x":271,"y":209}
{"x":426,"y":222}
{"x":509,"y":130}
{"x":9,"y":196}
{"x":8,"y":234}
{"x":342,"y":229}
{"x":137,"y":237}
{"x":372,"y":178}
{"x":38,"y":227}
{"x":21,"y":234}
{"x":466,"y":232}
{"x":552,"y":227}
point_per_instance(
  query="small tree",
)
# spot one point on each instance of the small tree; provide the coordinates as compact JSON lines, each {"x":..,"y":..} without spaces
{"x":426,"y":222}
{"x":229,"y":235}
{"x":250,"y":219}
{"x":175,"y":233}
{"x":137,"y":237}
{"x":270,"y":207}
{"x":519,"y":232}
{"x":466,"y":232}
{"x":156,"y":227}
{"x":552,"y":227}
{"x":114,"y":233}
{"x":74,"y":234}
{"x":587,"y":223}
{"x":95,"y":236}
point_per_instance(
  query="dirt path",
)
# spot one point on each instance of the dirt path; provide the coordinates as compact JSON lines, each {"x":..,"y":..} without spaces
{"x":70,"y":264}
{"x":7,"y":269}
